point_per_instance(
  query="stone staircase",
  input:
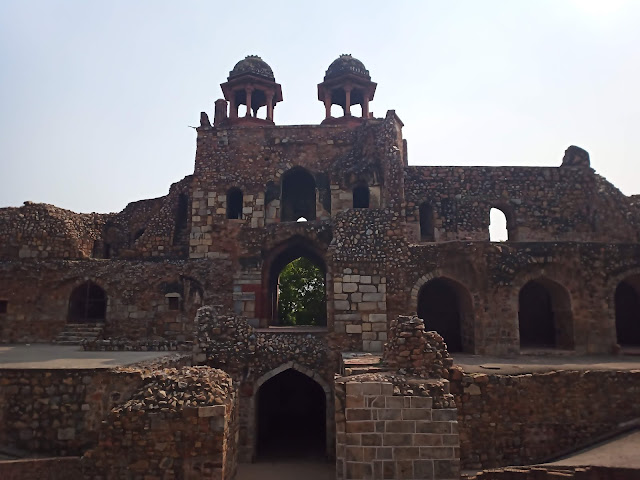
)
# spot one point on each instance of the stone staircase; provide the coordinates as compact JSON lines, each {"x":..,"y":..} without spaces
{"x":75,"y":333}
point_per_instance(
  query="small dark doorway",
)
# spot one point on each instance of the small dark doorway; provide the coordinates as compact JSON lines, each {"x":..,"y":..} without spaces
{"x":544,"y":315}
{"x":439,"y":307}
{"x":234,"y":204}
{"x":361,"y":197}
{"x":87,"y":304}
{"x":298,"y":195}
{"x":627,"y":303}
{"x":291,"y":410}
{"x":426,"y":223}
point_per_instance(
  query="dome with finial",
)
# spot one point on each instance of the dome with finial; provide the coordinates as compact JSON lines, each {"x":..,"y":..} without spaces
{"x":252,"y":65}
{"x":345,"y":64}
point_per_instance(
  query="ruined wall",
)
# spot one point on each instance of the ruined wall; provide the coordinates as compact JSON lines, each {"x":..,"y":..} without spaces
{"x":58,"y":468}
{"x":37,"y":295}
{"x":523,"y":419}
{"x":488,"y":278}
{"x":38,"y":230}
{"x":181,"y":423}
{"x":540,"y":203}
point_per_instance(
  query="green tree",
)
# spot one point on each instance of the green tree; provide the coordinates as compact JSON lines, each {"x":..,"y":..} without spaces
{"x":301,"y":298}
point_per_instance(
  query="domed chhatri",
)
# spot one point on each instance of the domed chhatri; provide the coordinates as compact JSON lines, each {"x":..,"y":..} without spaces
{"x":252,"y":65}
{"x":346,"y":64}
{"x":250,"y":83}
{"x":346,"y":82}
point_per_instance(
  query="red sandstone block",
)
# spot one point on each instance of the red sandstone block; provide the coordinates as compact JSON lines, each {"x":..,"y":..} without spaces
{"x":369,"y":454}
{"x":453,"y":440}
{"x":358,"y":414}
{"x":384,"y":453}
{"x":397,"y":439}
{"x":436,"y":452}
{"x":353,"y":439}
{"x":427,"y":439}
{"x":389,"y":414}
{"x":354,"y":454}
{"x":371,"y":439}
{"x":394,"y":402}
{"x":406,"y":453}
{"x":358,"y":471}
{"x":388,"y":469}
{"x":360,"y":427}
{"x":404,"y":469}
{"x":376,"y":402}
{"x":421,"y":402}
{"x":423,"y":469}
{"x":416,"y":414}
{"x":445,"y":414}
{"x":355,"y":401}
{"x":399,"y":426}
{"x":434,"y":427}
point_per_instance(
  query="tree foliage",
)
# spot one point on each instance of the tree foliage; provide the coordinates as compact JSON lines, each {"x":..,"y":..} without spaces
{"x":301,"y":298}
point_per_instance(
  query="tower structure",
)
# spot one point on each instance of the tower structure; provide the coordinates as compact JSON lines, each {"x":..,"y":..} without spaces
{"x":346,"y":82}
{"x":250,"y":83}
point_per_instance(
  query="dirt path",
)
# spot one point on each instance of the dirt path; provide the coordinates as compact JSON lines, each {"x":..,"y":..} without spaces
{"x":286,"y":471}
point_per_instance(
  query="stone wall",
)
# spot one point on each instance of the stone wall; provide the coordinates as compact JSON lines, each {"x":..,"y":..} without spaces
{"x":59,"y":412}
{"x":523,"y":419}
{"x":138,"y":308}
{"x":540,"y":203}
{"x":58,"y":468}
{"x":179,"y":424}
{"x":382,"y":434}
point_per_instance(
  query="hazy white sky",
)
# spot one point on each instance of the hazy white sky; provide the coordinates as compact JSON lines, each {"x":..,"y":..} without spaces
{"x":96,"y":98}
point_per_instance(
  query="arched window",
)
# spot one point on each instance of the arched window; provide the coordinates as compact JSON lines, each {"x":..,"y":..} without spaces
{"x":298,"y":195}
{"x":361,"y":196}
{"x":426,"y":223}
{"x":234,"y":204}
{"x":296,"y":287}
{"x":498,"y":231}
{"x":87,"y":304}
{"x":544,"y":315}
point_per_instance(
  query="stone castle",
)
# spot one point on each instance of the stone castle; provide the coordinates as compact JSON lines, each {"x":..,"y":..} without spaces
{"x":391,"y":240}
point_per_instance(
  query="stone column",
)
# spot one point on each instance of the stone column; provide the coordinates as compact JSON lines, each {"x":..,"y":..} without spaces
{"x":233,"y":107}
{"x":248,"y":91}
{"x":327,"y":104}
{"x":270,"y":106}
{"x":365,"y":108}
{"x":347,"y":101}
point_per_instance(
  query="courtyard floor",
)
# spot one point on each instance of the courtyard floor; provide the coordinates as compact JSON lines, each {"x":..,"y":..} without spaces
{"x":286,"y":471}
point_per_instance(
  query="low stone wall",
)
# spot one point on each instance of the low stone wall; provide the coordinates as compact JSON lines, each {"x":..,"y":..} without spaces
{"x":384,"y":434}
{"x":524,"y":419}
{"x":59,"y":412}
{"x":182,"y":423}
{"x":59,"y":468}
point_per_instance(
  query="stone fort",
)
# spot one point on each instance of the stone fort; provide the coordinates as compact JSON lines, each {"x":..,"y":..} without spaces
{"x":410,"y":275}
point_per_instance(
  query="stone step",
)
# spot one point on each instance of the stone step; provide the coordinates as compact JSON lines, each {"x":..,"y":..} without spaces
{"x":75,"y":333}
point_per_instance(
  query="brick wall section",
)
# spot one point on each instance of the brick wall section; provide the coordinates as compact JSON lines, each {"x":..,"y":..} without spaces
{"x":544,"y":203}
{"x":381,"y":435}
{"x":38,"y":230}
{"x":180,"y":424}
{"x":523,"y":419}
{"x":60,"y":468}
{"x":137,"y":307}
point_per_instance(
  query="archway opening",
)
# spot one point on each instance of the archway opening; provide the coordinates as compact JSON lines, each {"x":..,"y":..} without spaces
{"x":361,"y":196}
{"x":544,"y":315}
{"x":627,"y":305}
{"x":442,"y":307}
{"x":297,"y":288}
{"x":87,"y":304}
{"x":498,"y":231}
{"x":291,"y":411}
{"x":298,"y":195}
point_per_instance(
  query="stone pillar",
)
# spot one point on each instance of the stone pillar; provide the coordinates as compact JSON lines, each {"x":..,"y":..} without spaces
{"x":270,"y":106}
{"x":347,"y":101}
{"x":248,"y":91}
{"x":365,"y":108}
{"x":233,"y":106}
{"x":327,"y":105}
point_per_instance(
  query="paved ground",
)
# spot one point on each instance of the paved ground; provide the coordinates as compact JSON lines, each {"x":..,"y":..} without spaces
{"x":622,"y":451}
{"x":59,"y":356}
{"x":286,"y":471}
{"x":544,"y":363}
